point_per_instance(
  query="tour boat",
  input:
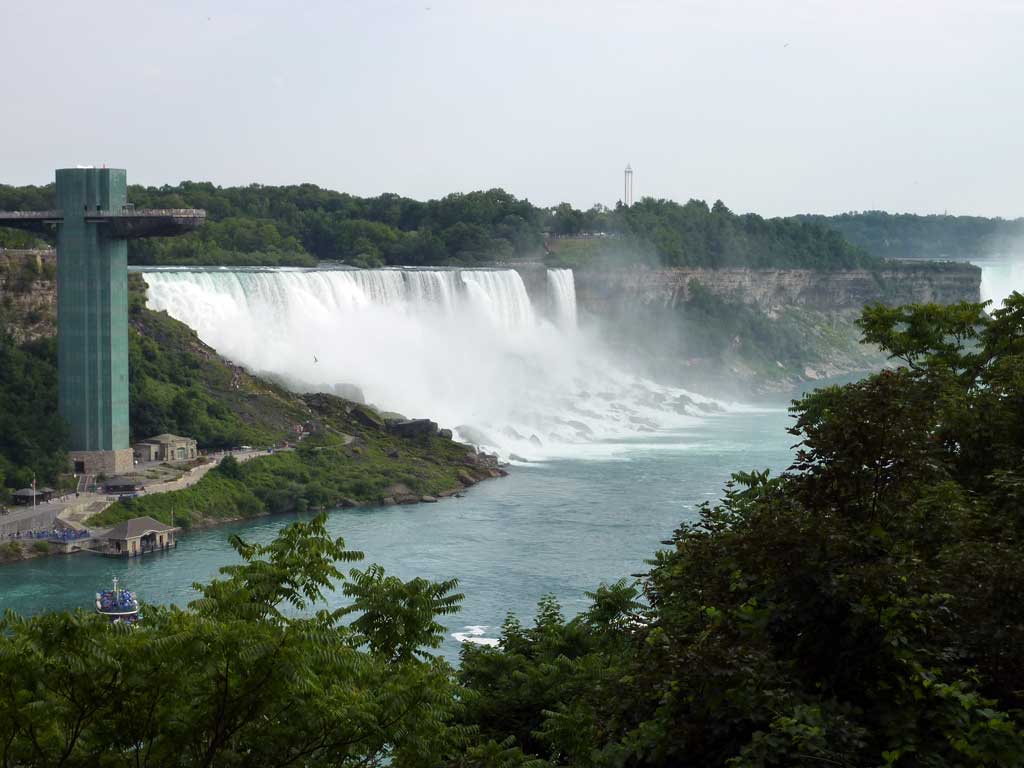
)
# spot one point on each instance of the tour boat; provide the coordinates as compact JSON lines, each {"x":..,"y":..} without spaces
{"x":118,"y":605}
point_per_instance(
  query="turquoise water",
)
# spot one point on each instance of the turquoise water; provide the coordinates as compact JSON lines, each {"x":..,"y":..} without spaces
{"x":561,"y":527}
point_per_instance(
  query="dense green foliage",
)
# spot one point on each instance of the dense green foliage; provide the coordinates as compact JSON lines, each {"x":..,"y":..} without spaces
{"x":906,"y":235}
{"x":32,"y":435}
{"x":27,"y":198}
{"x":460,"y":228}
{"x":861,"y":609}
{"x":255,"y":672}
{"x":694,"y":235}
{"x":475,"y":228}
{"x":302,"y":224}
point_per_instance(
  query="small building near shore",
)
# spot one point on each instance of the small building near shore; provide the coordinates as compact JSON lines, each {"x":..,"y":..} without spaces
{"x":139,"y":536}
{"x":166,"y":447}
{"x":26,"y":497}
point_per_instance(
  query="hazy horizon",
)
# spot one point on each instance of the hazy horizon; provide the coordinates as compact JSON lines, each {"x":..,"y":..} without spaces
{"x":776,"y":108}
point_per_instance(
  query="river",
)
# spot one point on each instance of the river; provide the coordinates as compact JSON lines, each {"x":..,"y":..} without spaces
{"x":561,"y":527}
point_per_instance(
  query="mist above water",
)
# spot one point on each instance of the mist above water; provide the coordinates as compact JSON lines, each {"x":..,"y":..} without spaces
{"x":467,"y":348}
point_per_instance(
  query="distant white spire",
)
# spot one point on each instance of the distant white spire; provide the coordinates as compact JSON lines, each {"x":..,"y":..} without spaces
{"x":627,"y":197}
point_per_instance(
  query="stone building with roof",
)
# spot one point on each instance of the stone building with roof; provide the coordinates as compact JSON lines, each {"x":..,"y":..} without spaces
{"x":166,"y":447}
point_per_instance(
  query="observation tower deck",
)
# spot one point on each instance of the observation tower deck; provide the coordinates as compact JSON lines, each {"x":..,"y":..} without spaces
{"x":125,"y":224}
{"x":94,"y":219}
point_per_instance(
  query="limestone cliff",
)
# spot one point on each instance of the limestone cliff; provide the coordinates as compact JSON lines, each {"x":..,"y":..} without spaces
{"x":771,"y":290}
{"x":28,"y":294}
{"x":741,"y":331}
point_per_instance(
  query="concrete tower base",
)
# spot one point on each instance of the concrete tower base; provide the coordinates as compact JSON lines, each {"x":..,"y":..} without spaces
{"x":102,"y":462}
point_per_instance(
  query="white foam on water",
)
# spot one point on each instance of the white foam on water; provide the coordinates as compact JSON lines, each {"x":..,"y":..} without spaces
{"x":467,"y":348}
{"x":475,"y":634}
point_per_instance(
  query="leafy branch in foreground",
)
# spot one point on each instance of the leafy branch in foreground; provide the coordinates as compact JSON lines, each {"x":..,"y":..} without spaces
{"x":862,"y":609}
{"x":248,"y":674}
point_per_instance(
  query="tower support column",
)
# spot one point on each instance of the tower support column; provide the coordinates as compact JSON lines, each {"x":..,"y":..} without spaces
{"x":94,"y":224}
{"x":92,"y":320}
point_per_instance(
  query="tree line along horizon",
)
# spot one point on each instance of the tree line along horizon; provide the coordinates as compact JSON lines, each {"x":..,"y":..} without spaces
{"x":304,"y":224}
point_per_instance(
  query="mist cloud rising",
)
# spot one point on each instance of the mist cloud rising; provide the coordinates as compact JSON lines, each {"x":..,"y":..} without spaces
{"x":465,"y":347}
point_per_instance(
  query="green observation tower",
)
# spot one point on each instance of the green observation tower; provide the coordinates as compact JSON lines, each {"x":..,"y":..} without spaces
{"x":94,"y":222}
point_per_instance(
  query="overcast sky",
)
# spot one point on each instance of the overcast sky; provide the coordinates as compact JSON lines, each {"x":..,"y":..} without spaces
{"x":774,"y":107}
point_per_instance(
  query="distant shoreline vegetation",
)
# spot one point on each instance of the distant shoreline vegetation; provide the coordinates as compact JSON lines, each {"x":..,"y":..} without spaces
{"x":305,"y":224}
{"x":910,"y":236}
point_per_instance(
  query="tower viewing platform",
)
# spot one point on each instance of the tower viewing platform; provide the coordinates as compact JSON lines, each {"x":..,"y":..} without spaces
{"x":126,"y":224}
{"x":94,"y":220}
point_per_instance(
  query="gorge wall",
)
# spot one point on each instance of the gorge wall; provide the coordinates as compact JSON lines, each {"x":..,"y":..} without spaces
{"x":602,"y":292}
{"x":769,"y":330}
{"x":28,"y":294}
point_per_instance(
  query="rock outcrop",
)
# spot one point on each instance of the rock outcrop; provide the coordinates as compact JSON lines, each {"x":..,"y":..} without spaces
{"x":28,"y":294}
{"x":412,"y":427}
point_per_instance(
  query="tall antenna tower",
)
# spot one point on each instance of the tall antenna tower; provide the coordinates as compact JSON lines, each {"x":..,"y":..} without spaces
{"x":627,"y":196}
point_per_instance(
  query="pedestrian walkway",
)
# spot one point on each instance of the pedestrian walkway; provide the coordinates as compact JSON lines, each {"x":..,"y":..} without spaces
{"x":38,"y":517}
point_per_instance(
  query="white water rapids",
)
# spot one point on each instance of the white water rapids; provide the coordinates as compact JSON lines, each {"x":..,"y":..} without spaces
{"x":467,"y":348}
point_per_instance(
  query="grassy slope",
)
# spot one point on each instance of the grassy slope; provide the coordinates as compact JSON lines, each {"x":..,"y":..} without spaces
{"x":321,"y":472}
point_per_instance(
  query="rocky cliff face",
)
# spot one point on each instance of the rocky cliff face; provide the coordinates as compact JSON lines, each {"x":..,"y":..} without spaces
{"x":772,"y":290}
{"x":770,"y":330}
{"x":28,"y":294}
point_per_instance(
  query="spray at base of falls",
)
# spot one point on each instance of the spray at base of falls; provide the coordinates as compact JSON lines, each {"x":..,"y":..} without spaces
{"x":465,"y":347}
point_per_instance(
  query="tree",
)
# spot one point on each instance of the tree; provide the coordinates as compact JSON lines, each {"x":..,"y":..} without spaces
{"x":230,"y":467}
{"x":254,"y":672}
{"x":566,"y":220}
{"x":859,"y":609}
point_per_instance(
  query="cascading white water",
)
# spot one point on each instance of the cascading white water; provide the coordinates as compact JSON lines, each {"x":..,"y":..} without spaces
{"x":501,"y":295}
{"x":463,"y":347}
{"x":1001,"y":276}
{"x":562,"y":298}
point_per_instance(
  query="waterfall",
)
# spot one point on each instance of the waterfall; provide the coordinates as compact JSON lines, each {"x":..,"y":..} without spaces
{"x":502,"y":295}
{"x":1000,"y":276}
{"x":465,"y":347}
{"x":562,"y":297}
